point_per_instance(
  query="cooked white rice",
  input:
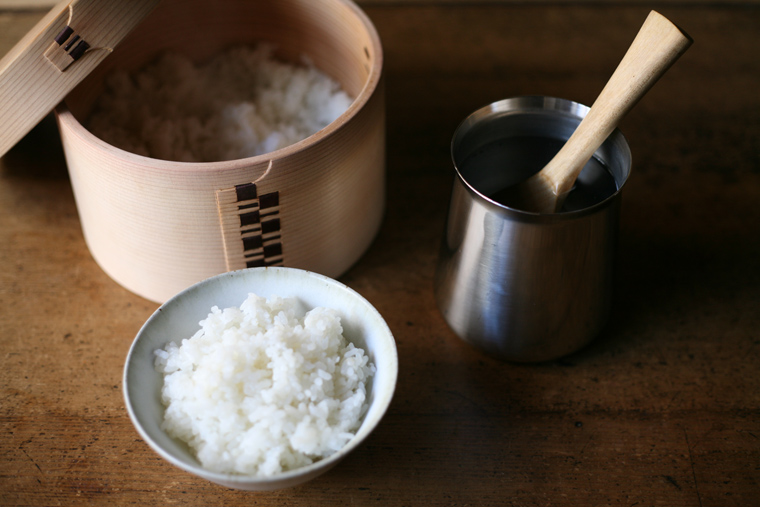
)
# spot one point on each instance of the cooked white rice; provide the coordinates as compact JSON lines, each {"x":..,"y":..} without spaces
{"x":259,"y":390}
{"x":241,"y":103}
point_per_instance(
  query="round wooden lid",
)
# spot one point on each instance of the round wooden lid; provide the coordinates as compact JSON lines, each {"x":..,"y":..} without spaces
{"x":56,"y":55}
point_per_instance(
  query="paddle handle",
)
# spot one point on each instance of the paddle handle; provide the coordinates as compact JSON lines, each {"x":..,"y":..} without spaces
{"x":656,"y":47}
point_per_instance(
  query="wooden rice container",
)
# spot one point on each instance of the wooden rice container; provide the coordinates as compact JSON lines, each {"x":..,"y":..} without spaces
{"x":157,"y":226}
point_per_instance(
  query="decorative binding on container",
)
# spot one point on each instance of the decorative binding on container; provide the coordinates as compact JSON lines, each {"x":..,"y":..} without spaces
{"x":250,"y":227}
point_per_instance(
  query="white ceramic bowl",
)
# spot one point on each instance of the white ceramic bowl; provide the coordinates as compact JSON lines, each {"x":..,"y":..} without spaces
{"x":178,"y":318}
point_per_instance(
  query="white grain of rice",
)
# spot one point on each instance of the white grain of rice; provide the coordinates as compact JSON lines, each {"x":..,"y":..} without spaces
{"x":259,"y":390}
{"x":240,"y":104}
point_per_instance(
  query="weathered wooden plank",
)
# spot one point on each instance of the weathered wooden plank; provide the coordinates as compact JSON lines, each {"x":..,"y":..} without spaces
{"x":662,"y":409}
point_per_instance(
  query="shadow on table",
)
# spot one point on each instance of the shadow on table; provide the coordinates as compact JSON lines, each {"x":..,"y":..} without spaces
{"x":39,"y":154}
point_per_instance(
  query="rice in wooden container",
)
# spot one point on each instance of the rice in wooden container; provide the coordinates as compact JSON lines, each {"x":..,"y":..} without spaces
{"x":157,"y":226}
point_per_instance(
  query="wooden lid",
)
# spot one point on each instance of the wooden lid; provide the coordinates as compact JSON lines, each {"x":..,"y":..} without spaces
{"x":56,"y":55}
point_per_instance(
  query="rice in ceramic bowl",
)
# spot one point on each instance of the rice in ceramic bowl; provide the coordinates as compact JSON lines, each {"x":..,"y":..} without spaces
{"x":270,"y":390}
{"x":259,"y":390}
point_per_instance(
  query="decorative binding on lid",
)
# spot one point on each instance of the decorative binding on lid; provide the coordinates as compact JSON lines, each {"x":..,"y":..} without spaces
{"x":67,"y":48}
{"x":38,"y":72}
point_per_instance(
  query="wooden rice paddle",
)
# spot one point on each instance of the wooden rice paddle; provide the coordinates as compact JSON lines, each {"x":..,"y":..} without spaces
{"x":657,"y":46}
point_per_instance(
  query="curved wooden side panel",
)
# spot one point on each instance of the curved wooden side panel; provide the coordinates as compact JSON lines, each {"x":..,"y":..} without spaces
{"x":158,"y":226}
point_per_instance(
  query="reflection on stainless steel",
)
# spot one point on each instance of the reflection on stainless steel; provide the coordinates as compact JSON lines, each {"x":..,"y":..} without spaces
{"x":526,"y":286}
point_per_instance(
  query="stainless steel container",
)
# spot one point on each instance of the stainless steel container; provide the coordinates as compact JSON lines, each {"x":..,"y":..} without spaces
{"x":525,"y":286}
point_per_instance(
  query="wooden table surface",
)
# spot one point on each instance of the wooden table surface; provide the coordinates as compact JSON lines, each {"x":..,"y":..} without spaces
{"x":663,"y":408}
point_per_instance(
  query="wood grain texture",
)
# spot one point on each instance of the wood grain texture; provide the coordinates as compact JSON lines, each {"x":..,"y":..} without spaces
{"x":33,"y":79}
{"x":662,"y":409}
{"x":154,"y":225}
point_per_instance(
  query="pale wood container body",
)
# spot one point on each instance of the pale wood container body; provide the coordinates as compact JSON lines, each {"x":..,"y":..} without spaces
{"x":157,"y":227}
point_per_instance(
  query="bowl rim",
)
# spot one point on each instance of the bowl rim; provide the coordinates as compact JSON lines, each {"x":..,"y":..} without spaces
{"x":289,"y":476}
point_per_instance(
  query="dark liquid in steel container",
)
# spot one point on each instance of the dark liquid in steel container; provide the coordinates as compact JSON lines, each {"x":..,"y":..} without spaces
{"x":503,"y":163}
